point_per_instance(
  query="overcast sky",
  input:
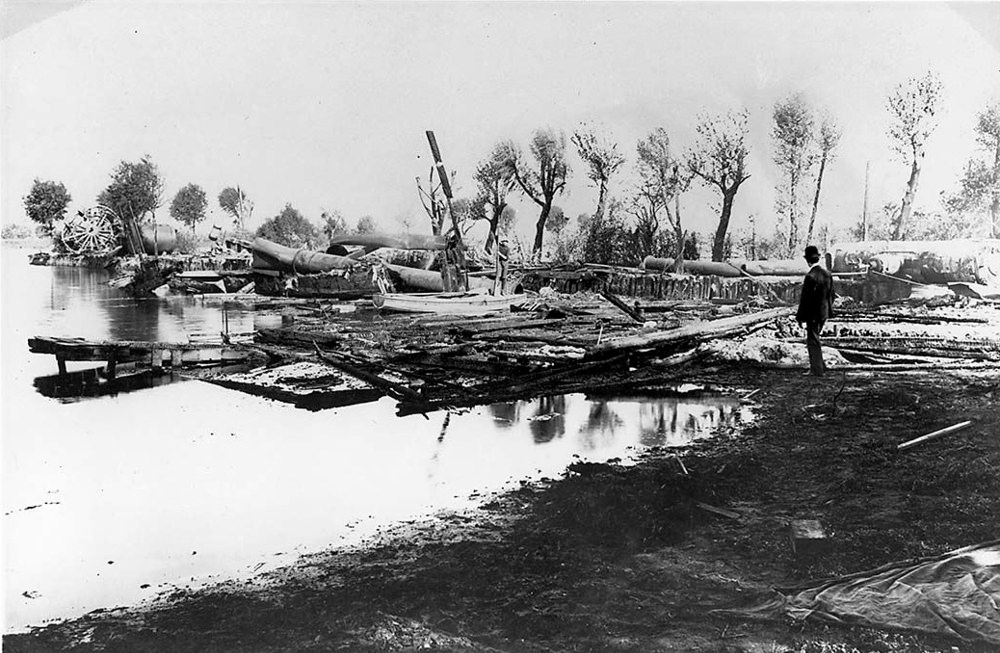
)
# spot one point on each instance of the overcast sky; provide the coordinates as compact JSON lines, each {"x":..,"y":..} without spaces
{"x":324,"y":105}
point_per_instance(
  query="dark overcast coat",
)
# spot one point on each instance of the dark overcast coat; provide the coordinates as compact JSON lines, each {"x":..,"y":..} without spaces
{"x":816,"y":301}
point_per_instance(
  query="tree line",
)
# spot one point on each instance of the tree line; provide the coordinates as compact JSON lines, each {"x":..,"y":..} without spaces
{"x":646,"y":218}
{"x":136,"y":192}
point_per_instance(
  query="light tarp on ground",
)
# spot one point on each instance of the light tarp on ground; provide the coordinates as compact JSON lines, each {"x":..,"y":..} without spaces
{"x":955,"y":594}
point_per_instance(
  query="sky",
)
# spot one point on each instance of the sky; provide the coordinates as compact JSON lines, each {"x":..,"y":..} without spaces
{"x":324,"y":105}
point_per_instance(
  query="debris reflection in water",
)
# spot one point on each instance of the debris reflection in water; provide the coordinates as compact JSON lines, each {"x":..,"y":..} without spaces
{"x":107,"y":502}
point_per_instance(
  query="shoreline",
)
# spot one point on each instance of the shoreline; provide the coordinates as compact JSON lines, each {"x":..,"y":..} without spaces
{"x":624,"y":558}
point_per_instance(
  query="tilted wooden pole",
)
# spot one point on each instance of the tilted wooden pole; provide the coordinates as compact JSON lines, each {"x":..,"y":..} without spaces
{"x":445,"y":184}
{"x":459,"y":249}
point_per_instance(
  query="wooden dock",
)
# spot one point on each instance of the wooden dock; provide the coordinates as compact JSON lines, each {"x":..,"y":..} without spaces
{"x":153,"y":354}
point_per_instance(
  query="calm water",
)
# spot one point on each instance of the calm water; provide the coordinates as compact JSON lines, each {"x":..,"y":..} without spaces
{"x":108,"y":501}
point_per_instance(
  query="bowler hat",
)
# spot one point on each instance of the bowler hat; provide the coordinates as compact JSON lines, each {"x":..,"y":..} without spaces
{"x":812,"y":252}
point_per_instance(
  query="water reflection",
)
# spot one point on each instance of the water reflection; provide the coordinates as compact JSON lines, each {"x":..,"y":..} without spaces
{"x":549,"y":419}
{"x":678,"y":420}
{"x":506,"y":414}
{"x":668,"y":420}
{"x":94,"y":382}
{"x":145,"y":478}
{"x":81,"y":303}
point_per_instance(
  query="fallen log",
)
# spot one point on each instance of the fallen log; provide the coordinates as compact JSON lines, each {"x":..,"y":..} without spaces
{"x":697,"y":331}
{"x":917,"y":346}
{"x":843,"y":316}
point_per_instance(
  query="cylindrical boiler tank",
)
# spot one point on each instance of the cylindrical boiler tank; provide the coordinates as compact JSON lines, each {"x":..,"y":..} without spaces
{"x":158,"y":238}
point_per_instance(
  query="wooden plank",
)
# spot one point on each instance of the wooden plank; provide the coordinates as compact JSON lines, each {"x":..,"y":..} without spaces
{"x":540,"y":338}
{"x":935,"y":434}
{"x":509,"y":324}
{"x":716,"y":510}
{"x":623,"y":307}
{"x":466,"y":365}
{"x":697,"y":331}
{"x":70,"y":349}
{"x":935,"y":347}
{"x":301,"y":337}
{"x":391,"y":388}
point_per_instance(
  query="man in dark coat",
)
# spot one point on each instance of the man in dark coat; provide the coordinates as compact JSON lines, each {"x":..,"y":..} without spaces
{"x":815,"y":308}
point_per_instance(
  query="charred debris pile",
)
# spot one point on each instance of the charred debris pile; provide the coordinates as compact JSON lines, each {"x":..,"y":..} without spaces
{"x":541,"y":329}
{"x":335,"y":353}
{"x":598,"y":328}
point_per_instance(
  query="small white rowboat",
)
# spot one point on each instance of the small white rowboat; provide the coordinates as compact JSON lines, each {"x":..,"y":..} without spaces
{"x":447,"y":303}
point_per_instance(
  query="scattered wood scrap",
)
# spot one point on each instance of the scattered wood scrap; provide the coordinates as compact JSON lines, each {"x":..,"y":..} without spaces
{"x":625,"y":308}
{"x":935,"y":434}
{"x":730,"y":514}
{"x":580,"y":342}
{"x":699,"y":331}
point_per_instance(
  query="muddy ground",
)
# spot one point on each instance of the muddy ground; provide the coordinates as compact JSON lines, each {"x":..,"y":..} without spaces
{"x":622,"y":558}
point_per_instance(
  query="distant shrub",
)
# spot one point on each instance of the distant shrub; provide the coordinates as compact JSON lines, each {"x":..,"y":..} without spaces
{"x":290,"y":228}
{"x":605,"y":240}
{"x":17,"y":232}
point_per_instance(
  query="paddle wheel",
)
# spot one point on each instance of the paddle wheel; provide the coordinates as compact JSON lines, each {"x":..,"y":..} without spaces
{"x":94,"y":232}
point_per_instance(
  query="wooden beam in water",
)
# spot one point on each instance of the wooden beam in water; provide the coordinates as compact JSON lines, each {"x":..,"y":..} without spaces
{"x":394,"y":390}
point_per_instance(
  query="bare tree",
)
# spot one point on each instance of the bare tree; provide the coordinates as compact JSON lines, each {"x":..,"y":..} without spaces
{"x":433,"y":201}
{"x":988,"y":135}
{"x":914,"y":106}
{"x":829,"y":138}
{"x":236,"y":203}
{"x":664,"y":174}
{"x":494,"y":179}
{"x":719,"y":159}
{"x":646,"y":205}
{"x":333,"y":223}
{"x":365,"y":225}
{"x":602,"y":159}
{"x":792,"y":133}
{"x":544,"y":181}
{"x":980,"y":185}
